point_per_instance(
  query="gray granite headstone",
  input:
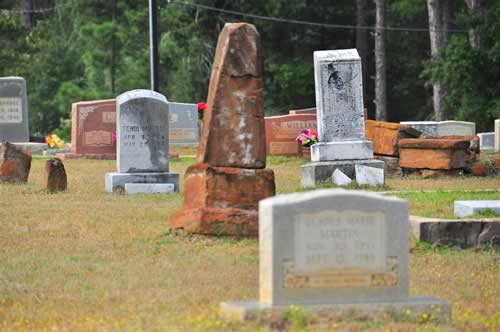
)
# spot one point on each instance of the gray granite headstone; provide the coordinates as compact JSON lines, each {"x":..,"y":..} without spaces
{"x":425,"y":127}
{"x":183,"y":129}
{"x":142,"y":147}
{"x":333,"y":251}
{"x":456,"y":128}
{"x":13,"y":110}
{"x":142,"y":129}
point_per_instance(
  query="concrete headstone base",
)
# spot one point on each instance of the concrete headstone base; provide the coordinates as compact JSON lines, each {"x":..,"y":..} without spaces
{"x":342,"y":150}
{"x":412,"y":308}
{"x":116,"y":181}
{"x":314,"y":173}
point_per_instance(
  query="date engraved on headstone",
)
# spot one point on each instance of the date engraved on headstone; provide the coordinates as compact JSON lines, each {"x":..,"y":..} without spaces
{"x":11,"y":110}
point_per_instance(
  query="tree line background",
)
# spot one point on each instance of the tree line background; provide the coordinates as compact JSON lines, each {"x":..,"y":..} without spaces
{"x":441,"y":62}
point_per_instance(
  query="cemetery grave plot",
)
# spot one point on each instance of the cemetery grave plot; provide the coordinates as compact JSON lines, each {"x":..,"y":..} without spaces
{"x":89,"y":260}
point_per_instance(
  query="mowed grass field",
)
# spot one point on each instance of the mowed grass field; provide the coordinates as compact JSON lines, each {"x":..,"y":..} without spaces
{"x":86,"y":260}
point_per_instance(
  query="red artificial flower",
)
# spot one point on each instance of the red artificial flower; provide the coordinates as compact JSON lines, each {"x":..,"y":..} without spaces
{"x":201,"y":107}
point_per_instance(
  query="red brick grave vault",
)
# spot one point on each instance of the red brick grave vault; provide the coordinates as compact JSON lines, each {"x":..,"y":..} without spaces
{"x":222,"y":191}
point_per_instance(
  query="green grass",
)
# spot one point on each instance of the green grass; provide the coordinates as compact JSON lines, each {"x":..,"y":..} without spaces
{"x":86,"y":260}
{"x":439,"y":204}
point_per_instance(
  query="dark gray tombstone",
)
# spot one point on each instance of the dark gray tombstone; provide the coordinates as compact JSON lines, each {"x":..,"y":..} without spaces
{"x":13,"y":110}
{"x":183,"y":129}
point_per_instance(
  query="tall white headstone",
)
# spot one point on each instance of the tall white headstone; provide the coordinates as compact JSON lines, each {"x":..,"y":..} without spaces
{"x":341,"y":123}
{"x":142,"y":148}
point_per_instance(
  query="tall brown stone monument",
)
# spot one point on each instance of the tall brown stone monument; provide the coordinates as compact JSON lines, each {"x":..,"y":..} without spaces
{"x":222,"y":191}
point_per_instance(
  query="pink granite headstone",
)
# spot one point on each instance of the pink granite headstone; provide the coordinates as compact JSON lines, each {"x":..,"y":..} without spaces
{"x":282,"y":130}
{"x":93,"y":126}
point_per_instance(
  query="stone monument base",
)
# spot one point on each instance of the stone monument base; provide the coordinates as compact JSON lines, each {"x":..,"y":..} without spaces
{"x":217,"y":221}
{"x":314,"y":173}
{"x":342,"y":150}
{"x":117,"y":181}
{"x":412,"y":308}
{"x":223,"y":200}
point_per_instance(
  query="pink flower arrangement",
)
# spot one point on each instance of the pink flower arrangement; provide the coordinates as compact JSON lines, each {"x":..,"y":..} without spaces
{"x":307,"y":137}
{"x":114,"y":137}
{"x":201,"y":108}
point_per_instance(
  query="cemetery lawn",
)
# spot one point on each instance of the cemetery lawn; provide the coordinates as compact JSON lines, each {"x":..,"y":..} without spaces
{"x":87,"y":260}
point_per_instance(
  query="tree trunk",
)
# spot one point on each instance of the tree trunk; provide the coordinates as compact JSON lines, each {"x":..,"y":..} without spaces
{"x":27,"y":13}
{"x":474,"y":38}
{"x":439,"y":14}
{"x":362,"y":40}
{"x":380,"y":63}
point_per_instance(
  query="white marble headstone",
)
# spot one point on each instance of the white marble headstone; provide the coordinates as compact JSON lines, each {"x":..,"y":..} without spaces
{"x":333,"y":246}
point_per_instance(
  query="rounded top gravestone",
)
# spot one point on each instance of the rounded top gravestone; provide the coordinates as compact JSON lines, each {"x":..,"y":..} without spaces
{"x":142,"y":130}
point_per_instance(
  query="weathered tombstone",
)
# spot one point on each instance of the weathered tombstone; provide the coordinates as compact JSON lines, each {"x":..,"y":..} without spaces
{"x":434,"y":153}
{"x":13,"y":110}
{"x":15,"y":164}
{"x":334,"y":252}
{"x":282,"y":131}
{"x":93,"y":124}
{"x":339,"y":101}
{"x":55,"y":175}
{"x":497,"y":135}
{"x":222,"y":191}
{"x":487,"y":141}
{"x":183,"y":122}
{"x":456,"y":128}
{"x":142,"y":147}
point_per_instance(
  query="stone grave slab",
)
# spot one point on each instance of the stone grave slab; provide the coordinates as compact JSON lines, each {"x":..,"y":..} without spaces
{"x":332,"y":252}
{"x":467,"y":208}
{"x":434,"y":153}
{"x":487,"y":141}
{"x":385,"y":136}
{"x":142,"y":147}
{"x":13,"y":110}
{"x":183,"y":122}
{"x":462,"y":233}
{"x":282,"y":131}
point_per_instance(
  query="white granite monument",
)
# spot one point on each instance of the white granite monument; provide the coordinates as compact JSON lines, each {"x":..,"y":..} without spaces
{"x":142,"y":149}
{"x":334,"y":252}
{"x":341,"y":124}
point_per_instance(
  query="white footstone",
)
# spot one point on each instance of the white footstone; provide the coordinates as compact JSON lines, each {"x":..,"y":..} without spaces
{"x":369,"y":175}
{"x":340,"y":179}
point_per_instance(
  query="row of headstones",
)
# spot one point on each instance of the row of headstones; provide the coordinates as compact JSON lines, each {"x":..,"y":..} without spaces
{"x":93,"y":122}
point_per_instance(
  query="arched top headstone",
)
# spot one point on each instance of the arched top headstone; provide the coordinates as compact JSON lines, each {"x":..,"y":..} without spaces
{"x":142,"y":130}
